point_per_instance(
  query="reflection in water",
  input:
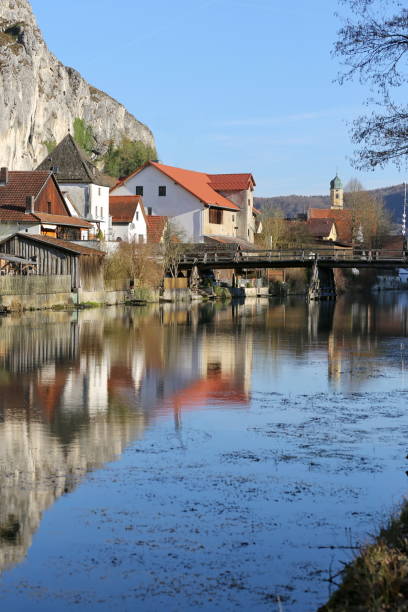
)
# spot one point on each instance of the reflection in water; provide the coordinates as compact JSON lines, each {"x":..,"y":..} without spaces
{"x":77,"y":388}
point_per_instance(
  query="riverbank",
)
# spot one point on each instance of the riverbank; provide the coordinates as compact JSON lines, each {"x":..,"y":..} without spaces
{"x":378,"y":578}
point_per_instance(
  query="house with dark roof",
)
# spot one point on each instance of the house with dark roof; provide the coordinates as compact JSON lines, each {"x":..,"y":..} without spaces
{"x":85,"y":186}
{"x":207,"y":207}
{"x":131,"y":223}
{"x":32,"y":202}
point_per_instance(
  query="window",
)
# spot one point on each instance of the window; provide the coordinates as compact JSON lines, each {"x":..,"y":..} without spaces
{"x":249,"y":202}
{"x":162,"y":190}
{"x":139,"y":190}
{"x":215,"y":215}
{"x":149,"y":210}
{"x":49,"y":207}
{"x":137,"y":215}
{"x":141,"y":239}
{"x":99,"y":191}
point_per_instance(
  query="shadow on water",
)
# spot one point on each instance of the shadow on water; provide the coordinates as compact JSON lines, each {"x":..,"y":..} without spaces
{"x":76,"y":389}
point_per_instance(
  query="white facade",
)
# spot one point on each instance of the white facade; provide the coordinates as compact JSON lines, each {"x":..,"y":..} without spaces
{"x":245,"y":217}
{"x":91,"y":202}
{"x":184,"y":209}
{"x":134,"y":231}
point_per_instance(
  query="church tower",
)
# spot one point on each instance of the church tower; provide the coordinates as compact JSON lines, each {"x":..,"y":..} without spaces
{"x":336,"y":194}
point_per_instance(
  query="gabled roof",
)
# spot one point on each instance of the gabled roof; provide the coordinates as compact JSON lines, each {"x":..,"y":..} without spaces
{"x":155,"y":227}
{"x":198,"y":184}
{"x":61,"y":244}
{"x":23,"y":184}
{"x":123,"y":208}
{"x":73,"y":164}
{"x":341,"y":218}
{"x":320,"y":228}
{"x":231,"y":182}
{"x":13,"y":195}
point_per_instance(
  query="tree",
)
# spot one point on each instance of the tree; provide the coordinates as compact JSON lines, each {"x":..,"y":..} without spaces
{"x":83,"y":135}
{"x":133,"y":260}
{"x":370,"y":220}
{"x":273,"y":228}
{"x":372,"y":46}
{"x":173,"y":248}
{"x":127,"y":157}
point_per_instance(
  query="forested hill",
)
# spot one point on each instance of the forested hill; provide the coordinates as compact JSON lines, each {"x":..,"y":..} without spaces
{"x":292,"y":205}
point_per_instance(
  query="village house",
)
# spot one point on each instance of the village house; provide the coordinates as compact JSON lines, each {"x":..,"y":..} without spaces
{"x":86,"y":188}
{"x":32,"y":202}
{"x":205,"y":207}
{"x":336,"y":214}
{"x":131,"y":223}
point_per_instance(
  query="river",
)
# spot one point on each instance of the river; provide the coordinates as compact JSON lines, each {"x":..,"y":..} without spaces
{"x":215,"y":457}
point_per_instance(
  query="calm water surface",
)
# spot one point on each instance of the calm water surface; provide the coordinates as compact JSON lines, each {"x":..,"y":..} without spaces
{"x":214,"y":458}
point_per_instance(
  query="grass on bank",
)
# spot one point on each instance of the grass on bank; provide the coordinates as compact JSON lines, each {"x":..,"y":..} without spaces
{"x":377,"y":580}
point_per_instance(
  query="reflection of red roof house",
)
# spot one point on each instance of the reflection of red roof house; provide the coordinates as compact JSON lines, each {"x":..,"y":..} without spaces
{"x":208,"y":390}
{"x":341,"y":219}
{"x":49,"y":395}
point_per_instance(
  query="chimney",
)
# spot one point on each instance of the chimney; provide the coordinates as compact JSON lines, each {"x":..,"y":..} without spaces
{"x":29,"y":204}
{"x":3,"y":176}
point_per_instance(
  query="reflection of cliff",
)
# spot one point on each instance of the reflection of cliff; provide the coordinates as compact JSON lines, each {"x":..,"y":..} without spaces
{"x":76,"y":389}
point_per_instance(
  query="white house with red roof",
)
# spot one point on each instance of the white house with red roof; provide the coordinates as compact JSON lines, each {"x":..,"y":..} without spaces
{"x":131,"y":223}
{"x":207,"y":207}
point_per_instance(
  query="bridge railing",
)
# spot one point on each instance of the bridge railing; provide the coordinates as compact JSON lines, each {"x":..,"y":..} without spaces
{"x":302,"y":255}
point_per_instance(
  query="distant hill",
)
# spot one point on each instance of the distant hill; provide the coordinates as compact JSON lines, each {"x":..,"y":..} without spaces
{"x":293,"y":205}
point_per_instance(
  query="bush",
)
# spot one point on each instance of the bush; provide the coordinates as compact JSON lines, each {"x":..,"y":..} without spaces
{"x":127,"y":157}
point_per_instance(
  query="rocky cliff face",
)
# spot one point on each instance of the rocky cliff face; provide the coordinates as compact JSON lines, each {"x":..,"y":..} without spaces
{"x":40,"y":97}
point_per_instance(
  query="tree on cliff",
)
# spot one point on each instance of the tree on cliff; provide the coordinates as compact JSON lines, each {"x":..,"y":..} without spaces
{"x":372,"y":45}
{"x":127,"y":157}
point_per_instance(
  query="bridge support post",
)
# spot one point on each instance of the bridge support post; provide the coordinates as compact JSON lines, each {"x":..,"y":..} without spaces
{"x":322,"y":285}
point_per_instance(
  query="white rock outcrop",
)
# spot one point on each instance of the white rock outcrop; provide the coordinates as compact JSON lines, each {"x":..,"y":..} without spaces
{"x":40,"y":97}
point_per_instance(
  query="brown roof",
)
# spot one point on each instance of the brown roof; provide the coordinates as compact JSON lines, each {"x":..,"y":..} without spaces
{"x":24,"y":184}
{"x":62,"y":244}
{"x":13,"y":195}
{"x":123,"y":208}
{"x":63,"y":220}
{"x":73,"y":164}
{"x":320,"y":228}
{"x":341,"y":218}
{"x":155,"y":227}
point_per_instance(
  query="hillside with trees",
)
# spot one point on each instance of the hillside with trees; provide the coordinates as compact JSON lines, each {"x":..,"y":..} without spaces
{"x":293,"y":205}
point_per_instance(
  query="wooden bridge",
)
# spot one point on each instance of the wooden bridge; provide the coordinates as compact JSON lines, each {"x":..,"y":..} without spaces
{"x":321,"y":262}
{"x":293,"y":258}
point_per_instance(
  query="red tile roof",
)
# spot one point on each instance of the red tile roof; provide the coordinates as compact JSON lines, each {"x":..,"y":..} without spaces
{"x":231,"y":182}
{"x":341,"y":218}
{"x":123,"y":208}
{"x":203,"y":186}
{"x":155,"y":227}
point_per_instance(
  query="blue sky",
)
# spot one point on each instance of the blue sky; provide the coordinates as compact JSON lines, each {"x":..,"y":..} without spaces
{"x":225,"y":85}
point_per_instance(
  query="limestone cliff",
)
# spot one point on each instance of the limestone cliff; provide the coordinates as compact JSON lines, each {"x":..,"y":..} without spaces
{"x":40,"y":97}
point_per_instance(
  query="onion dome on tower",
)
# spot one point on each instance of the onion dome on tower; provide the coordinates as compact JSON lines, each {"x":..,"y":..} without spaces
{"x":336,"y":193}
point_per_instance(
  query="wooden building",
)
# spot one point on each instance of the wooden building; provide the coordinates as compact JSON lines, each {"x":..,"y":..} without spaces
{"x":54,"y":257}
